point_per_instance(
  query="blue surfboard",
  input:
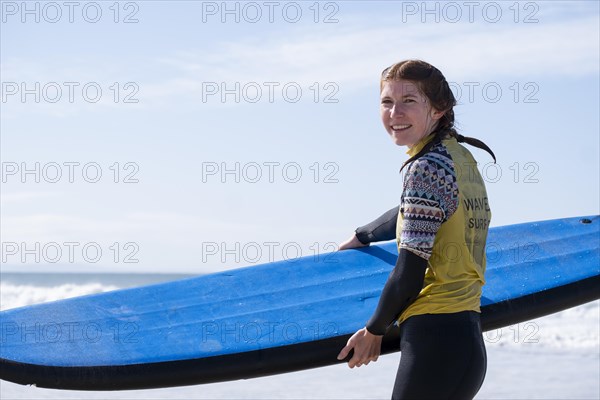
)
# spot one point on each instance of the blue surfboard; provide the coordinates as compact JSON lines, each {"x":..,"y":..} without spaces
{"x":277,"y":317}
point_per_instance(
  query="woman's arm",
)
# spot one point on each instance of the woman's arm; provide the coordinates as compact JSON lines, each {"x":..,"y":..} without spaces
{"x":383,"y":228}
{"x":402,"y":288}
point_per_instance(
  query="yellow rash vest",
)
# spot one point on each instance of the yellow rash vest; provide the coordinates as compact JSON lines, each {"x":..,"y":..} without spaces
{"x":444,"y":218}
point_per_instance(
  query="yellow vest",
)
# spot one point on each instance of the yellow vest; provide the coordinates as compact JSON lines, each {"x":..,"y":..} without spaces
{"x":456,"y":267}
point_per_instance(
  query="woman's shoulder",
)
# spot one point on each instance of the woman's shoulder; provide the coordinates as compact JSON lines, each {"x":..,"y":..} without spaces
{"x":432,"y":177}
{"x":437,"y":161}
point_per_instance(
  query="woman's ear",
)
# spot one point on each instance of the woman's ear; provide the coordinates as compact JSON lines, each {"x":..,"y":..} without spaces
{"x":436,"y":115}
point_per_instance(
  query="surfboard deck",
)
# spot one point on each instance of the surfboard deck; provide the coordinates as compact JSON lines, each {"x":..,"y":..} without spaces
{"x":277,"y":317}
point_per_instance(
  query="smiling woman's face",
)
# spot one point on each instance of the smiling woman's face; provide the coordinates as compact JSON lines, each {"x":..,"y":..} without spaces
{"x":405,"y":112}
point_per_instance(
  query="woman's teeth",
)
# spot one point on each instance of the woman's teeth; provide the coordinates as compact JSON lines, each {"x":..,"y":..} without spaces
{"x":400,"y":127}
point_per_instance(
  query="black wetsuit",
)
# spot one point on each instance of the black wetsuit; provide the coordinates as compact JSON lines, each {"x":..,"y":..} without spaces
{"x":443,"y":355}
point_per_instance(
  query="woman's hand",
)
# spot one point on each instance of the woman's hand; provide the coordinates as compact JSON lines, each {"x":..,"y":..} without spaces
{"x":367,"y":348}
{"x":351,"y":243}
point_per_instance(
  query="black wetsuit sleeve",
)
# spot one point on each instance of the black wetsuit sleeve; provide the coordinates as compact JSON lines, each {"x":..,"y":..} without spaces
{"x":402,"y":288}
{"x":382,"y":229}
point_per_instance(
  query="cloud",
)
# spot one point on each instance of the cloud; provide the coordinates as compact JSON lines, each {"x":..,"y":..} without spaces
{"x":352,"y":58}
{"x":350,"y":55}
{"x":20,"y":197}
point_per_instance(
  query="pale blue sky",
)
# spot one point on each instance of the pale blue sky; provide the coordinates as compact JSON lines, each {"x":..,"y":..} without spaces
{"x":543,"y":125}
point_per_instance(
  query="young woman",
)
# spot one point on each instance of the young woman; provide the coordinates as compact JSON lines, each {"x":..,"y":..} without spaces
{"x":441,"y":228}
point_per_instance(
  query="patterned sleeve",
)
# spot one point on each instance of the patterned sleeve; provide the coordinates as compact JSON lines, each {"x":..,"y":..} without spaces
{"x":430,"y":197}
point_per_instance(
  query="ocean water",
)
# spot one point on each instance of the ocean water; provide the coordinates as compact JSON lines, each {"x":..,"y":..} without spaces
{"x":554,"y":357}
{"x":21,"y":289}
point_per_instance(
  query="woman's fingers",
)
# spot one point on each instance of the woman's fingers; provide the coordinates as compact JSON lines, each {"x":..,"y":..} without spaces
{"x":351,"y":243}
{"x":350,"y":344}
{"x":367,"y":348}
{"x":344,"y":353}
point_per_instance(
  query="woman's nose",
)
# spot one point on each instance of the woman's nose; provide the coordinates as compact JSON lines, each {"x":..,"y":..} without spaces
{"x":396,"y":111}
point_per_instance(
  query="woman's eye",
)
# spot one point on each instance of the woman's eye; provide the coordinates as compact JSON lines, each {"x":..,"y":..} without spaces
{"x":409,"y":100}
{"x":386,"y":101}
